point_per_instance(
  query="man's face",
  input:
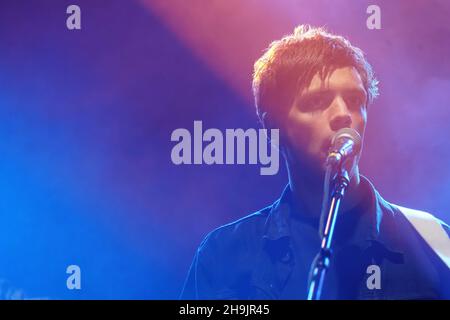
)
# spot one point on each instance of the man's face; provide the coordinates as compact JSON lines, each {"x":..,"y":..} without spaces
{"x":320,"y":110}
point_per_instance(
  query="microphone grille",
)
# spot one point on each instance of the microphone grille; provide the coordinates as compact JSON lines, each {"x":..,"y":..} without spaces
{"x":349,"y":134}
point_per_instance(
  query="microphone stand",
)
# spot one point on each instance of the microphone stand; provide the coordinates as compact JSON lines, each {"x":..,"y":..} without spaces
{"x":321,"y":263}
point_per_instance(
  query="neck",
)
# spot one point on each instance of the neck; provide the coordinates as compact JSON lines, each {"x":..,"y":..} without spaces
{"x":307,"y":192}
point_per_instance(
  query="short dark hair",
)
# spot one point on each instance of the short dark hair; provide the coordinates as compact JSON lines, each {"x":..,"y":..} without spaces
{"x":288,"y":66}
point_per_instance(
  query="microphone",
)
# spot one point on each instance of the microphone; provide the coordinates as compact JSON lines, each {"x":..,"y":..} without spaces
{"x":345,"y":143}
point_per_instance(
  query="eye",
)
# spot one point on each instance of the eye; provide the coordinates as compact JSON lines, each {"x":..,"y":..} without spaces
{"x":355,"y":101}
{"x":313,"y":103}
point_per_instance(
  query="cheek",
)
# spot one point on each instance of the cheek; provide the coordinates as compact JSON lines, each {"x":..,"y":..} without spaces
{"x":361,"y":120}
{"x":298,"y":125}
{"x":302,"y":130}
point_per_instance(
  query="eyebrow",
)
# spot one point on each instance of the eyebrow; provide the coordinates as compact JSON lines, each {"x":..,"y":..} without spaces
{"x":359,"y":91}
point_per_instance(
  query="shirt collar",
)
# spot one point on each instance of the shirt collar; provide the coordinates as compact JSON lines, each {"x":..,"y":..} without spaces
{"x":278,"y":220}
{"x":277,"y":223}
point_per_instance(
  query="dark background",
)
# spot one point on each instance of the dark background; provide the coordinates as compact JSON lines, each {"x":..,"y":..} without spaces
{"x":86,"y":117}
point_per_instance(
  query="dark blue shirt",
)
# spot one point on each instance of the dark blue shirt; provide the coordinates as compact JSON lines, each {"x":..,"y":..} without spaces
{"x":267,"y":255}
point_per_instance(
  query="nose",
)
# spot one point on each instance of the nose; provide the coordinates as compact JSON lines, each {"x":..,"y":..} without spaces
{"x":341,"y":116}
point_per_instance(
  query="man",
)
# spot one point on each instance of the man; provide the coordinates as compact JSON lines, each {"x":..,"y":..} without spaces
{"x":310,"y":84}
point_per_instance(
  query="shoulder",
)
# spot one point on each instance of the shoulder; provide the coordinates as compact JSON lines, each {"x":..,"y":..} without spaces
{"x":422,"y":219}
{"x":241,"y":233}
{"x":418,"y":218}
{"x":435,"y":232}
{"x":410,"y":226}
{"x":224,"y":257}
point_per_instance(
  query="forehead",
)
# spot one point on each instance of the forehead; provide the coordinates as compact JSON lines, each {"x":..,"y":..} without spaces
{"x":340,"y":79}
